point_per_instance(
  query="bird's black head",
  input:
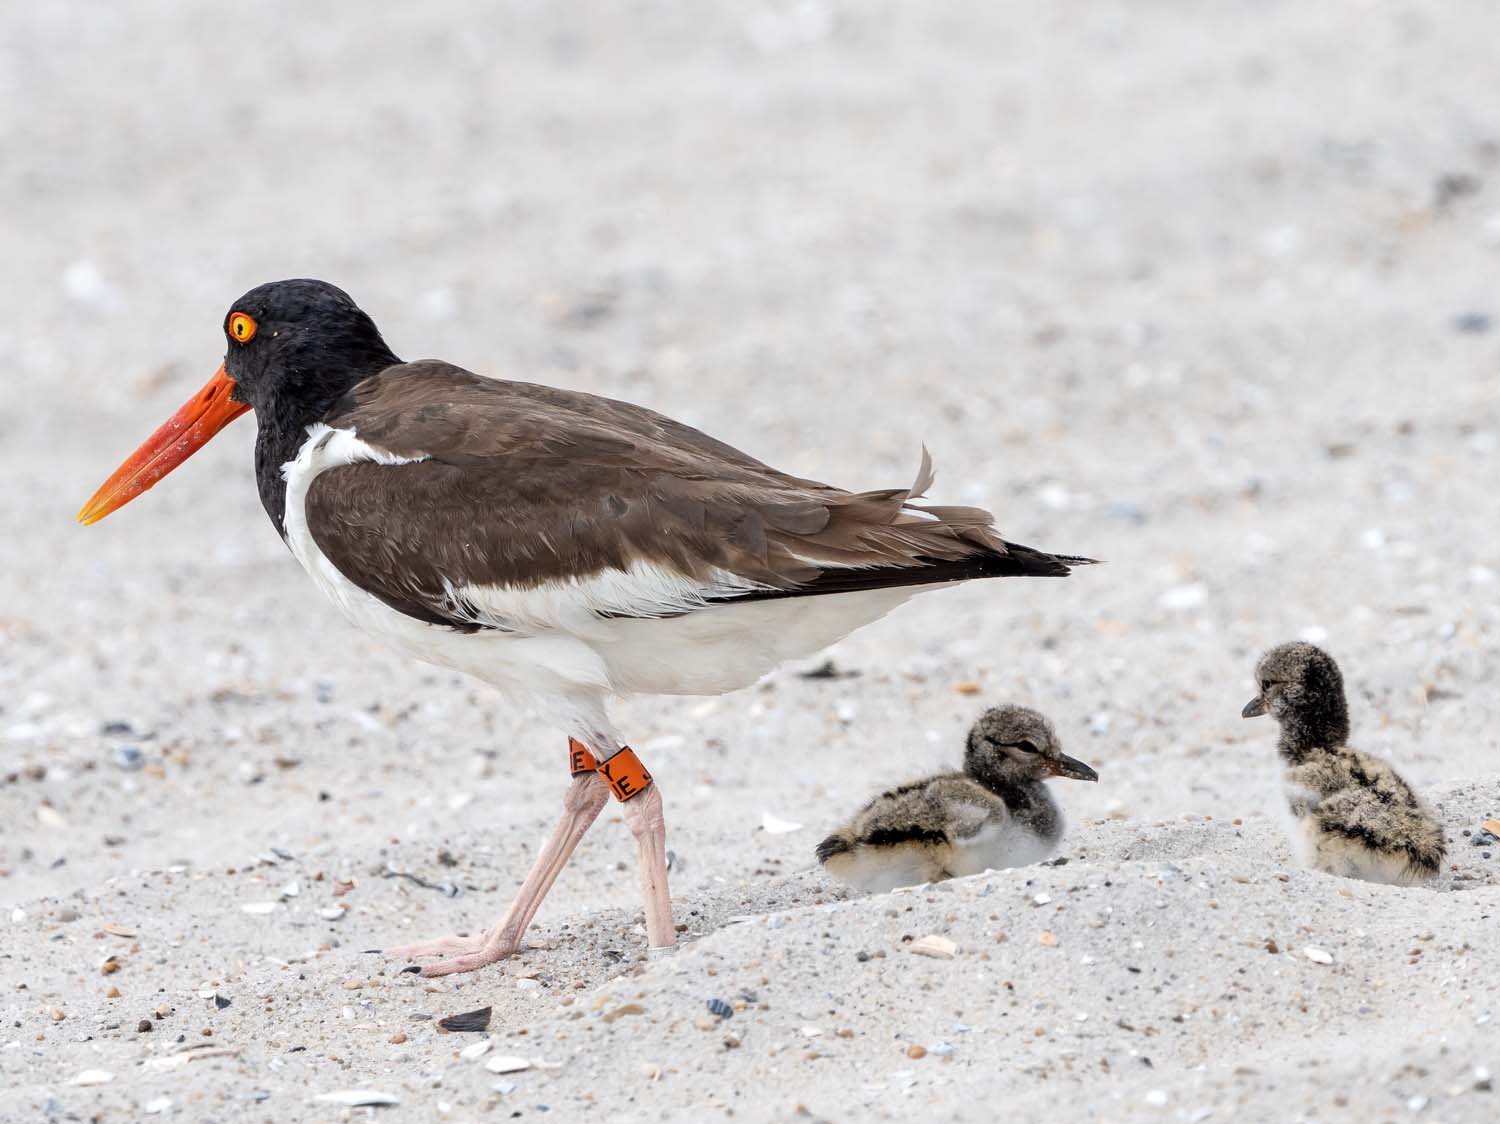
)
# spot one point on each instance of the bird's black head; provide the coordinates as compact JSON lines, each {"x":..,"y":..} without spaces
{"x":1300,"y":686}
{"x":297,"y":346}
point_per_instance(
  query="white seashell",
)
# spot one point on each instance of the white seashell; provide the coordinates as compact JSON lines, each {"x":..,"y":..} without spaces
{"x":357,"y":1098}
{"x":506,"y":1063}
{"x":775,"y":825}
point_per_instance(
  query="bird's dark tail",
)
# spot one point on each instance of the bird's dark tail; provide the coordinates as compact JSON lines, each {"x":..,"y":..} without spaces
{"x":833,"y":845}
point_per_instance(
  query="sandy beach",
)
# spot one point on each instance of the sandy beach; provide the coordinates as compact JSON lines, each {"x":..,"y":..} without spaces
{"x":1205,"y":291}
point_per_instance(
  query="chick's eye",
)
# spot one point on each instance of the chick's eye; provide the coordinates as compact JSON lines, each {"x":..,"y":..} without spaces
{"x":242,"y":327}
{"x":1027,"y":746}
{"x":1265,"y":684}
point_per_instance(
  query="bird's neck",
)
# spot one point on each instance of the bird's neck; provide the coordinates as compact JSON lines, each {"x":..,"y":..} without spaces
{"x":283,"y":423}
{"x":1027,"y":800}
{"x":1302,"y":734}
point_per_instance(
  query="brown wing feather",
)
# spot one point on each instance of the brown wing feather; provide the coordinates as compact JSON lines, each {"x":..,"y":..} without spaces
{"x":527,"y":484}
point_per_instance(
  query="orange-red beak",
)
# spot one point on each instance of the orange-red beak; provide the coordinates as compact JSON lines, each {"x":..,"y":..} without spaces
{"x":178,"y":438}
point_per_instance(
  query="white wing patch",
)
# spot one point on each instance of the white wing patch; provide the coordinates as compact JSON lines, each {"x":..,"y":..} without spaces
{"x":586,"y":605}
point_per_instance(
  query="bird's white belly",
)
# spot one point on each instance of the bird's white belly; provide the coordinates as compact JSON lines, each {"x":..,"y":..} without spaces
{"x":723,"y":648}
{"x":1333,"y":853}
{"x":878,"y":870}
{"x":998,"y":846}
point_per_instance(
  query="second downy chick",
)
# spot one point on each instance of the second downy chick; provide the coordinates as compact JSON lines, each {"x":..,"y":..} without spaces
{"x":997,"y":813}
{"x":1355,"y":815}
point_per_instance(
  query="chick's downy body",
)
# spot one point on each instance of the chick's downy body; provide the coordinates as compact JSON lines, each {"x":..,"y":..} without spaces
{"x":1353,"y":814}
{"x":997,"y":813}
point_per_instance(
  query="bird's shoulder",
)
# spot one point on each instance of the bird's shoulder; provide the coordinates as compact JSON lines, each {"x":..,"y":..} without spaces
{"x":944,"y":805}
{"x":1365,"y":797}
{"x":432,"y":409}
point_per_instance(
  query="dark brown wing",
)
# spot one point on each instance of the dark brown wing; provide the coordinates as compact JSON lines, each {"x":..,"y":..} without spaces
{"x":525,"y":484}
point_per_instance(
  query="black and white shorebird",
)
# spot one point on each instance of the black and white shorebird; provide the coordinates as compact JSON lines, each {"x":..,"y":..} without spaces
{"x":1353,"y":814}
{"x":995,"y":814}
{"x":563,"y":547}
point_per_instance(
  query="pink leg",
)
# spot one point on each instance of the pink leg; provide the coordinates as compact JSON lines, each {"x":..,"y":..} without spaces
{"x":644,"y":817}
{"x":585,"y":798}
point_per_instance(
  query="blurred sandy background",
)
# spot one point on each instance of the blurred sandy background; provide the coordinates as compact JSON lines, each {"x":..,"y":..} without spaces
{"x":1208,"y":291}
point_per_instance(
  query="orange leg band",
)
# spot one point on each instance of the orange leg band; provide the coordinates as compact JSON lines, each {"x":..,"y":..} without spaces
{"x":580,"y":760}
{"x":625,"y":774}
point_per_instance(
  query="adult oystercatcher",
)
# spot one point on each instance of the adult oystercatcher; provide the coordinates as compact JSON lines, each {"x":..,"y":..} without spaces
{"x":563,"y":547}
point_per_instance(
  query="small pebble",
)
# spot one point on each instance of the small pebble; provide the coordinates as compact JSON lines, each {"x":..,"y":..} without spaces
{"x":476,"y":1049}
{"x":94,"y":1077}
{"x":706,"y":1022}
{"x":623,"y":1010}
{"x":129,"y":758}
{"x":397,"y":1038}
{"x":1317,"y":955}
{"x":720,"y":1008}
{"x":143,"y":1027}
{"x":915,"y":1051}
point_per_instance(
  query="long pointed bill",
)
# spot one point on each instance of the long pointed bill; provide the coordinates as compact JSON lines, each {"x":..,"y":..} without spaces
{"x":178,"y":438}
{"x":1065,"y":766}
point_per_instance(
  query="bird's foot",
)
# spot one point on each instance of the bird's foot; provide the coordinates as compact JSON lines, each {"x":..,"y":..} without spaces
{"x":443,"y":946}
{"x":498,"y":945}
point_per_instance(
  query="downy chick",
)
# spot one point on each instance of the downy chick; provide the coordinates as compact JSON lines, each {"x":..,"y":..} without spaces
{"x":1354,"y":814}
{"x":996,"y":813}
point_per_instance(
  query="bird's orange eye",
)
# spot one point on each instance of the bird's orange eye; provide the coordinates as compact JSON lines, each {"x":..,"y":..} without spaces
{"x":242,"y":327}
